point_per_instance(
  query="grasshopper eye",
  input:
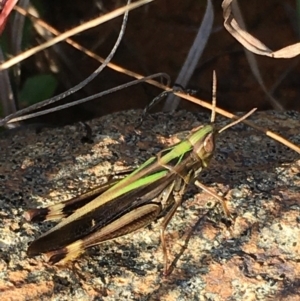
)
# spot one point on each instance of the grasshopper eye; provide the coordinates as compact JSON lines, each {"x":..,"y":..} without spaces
{"x":209,"y":143}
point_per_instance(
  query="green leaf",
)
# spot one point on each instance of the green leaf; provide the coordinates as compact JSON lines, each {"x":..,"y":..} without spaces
{"x":37,"y":88}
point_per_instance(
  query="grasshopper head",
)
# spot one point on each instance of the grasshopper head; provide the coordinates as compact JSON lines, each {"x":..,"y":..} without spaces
{"x":203,"y":142}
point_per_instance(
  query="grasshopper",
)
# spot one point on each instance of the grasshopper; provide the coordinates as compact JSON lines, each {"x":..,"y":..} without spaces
{"x":119,"y":207}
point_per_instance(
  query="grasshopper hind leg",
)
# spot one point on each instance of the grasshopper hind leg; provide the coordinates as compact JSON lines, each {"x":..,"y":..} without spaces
{"x":127,"y":223}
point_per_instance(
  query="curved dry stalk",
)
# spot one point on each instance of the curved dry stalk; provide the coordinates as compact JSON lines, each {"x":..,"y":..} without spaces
{"x":253,"y":62}
{"x":250,"y":42}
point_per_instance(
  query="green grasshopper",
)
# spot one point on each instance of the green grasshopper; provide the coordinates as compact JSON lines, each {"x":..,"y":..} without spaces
{"x":122,"y":206}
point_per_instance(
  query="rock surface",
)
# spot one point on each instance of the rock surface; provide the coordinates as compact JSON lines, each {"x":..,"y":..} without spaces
{"x":256,"y":258}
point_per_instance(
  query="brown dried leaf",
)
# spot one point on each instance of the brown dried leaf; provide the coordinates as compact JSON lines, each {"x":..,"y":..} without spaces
{"x":250,"y":42}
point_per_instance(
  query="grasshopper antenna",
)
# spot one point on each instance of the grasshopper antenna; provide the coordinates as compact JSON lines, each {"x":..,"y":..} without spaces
{"x":214,"y":97}
{"x":214,"y":104}
{"x":237,"y":121}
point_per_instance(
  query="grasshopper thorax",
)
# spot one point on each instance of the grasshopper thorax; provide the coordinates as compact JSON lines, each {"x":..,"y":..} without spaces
{"x":203,"y":143}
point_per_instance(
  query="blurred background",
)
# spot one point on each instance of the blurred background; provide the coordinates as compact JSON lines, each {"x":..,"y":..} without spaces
{"x":157,"y":39}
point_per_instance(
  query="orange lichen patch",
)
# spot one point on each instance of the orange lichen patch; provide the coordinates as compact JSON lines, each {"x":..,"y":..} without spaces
{"x":209,"y":232}
{"x":36,"y":264}
{"x":14,"y":226}
{"x":290,"y":217}
{"x":26,"y":291}
{"x":251,"y":247}
{"x":17,"y":277}
{"x":169,"y":296}
{"x":144,"y":285}
{"x":272,"y":208}
{"x":288,"y":197}
{"x":4,"y":285}
{"x":242,"y":224}
{"x":221,"y":280}
{"x":91,"y":291}
{"x":218,"y":280}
